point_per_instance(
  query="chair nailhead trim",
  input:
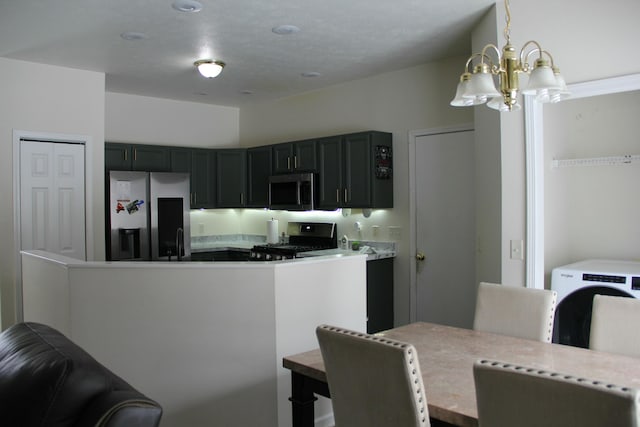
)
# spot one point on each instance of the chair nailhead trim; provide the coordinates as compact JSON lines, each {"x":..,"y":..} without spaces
{"x":552,"y":374}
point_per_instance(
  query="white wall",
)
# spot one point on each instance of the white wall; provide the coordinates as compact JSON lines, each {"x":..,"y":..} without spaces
{"x":47,"y":99}
{"x":204,"y":340}
{"x":488,"y":173}
{"x":144,"y":120}
{"x":588,"y":40}
{"x":591,"y":211}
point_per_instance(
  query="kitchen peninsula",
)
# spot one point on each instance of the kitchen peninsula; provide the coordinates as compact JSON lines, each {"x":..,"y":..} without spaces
{"x":204,"y":339}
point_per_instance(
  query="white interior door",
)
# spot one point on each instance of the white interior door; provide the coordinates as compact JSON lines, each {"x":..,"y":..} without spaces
{"x":52,"y":198}
{"x":445,"y":228}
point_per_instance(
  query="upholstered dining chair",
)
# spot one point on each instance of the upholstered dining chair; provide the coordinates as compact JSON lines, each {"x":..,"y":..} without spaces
{"x":515,"y":311}
{"x":373,"y":381}
{"x":613,"y":325}
{"x":508,"y":395}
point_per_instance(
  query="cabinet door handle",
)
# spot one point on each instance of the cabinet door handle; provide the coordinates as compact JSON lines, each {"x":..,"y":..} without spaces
{"x":295,"y":162}
{"x":241,"y":199}
{"x":288,"y":162}
{"x":337,"y":195}
{"x":125,"y":155}
{"x":135,"y":155}
{"x":345,"y":195}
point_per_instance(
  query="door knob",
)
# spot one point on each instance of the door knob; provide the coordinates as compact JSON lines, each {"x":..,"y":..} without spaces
{"x":420,"y":256}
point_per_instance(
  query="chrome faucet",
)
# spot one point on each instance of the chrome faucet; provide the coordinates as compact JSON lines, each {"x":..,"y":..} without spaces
{"x":179,"y":242}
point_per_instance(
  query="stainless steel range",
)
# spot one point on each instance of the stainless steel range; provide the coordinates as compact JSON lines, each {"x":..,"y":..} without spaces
{"x":303,"y":237}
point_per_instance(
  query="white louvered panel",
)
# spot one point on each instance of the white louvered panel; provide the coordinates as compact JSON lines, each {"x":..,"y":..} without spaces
{"x":65,"y":166}
{"x":52,"y":198}
{"x":40,"y":165}
{"x":65,"y":217}
{"x":69,"y":176}
{"x":39,"y":218}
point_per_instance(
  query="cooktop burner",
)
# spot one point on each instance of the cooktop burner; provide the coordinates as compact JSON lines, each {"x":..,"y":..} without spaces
{"x":303,"y":237}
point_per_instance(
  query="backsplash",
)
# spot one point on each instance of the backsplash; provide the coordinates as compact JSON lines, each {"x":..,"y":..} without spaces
{"x":238,"y":240}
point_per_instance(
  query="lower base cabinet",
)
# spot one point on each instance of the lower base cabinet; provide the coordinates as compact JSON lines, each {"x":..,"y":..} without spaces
{"x":379,"y":295}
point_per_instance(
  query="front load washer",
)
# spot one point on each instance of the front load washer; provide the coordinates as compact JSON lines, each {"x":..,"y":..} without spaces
{"x":577,"y":283}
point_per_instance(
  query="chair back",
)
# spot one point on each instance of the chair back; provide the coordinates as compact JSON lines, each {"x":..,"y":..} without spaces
{"x":508,"y":395}
{"x":515,"y":311}
{"x":373,"y":381}
{"x":613,"y":325}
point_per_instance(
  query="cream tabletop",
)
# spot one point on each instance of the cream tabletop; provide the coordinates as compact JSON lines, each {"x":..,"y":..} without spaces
{"x":447,"y":355}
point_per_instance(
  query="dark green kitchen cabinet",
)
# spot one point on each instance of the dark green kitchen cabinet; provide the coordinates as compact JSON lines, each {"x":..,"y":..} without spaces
{"x":379,"y":295}
{"x":117,"y":156}
{"x":355,"y":171}
{"x":199,"y":163}
{"x":137,"y":157}
{"x":180,"y":159}
{"x":329,"y":180}
{"x":203,"y":178}
{"x":231,"y":178}
{"x":298,"y":156}
{"x":259,"y":162}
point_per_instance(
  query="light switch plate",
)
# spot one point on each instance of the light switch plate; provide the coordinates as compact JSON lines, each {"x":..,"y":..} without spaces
{"x":517,"y":247}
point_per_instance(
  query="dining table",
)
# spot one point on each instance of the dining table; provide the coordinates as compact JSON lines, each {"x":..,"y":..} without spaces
{"x":447,"y":354}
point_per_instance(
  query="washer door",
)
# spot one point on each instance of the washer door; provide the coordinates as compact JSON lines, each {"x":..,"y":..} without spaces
{"x":573,"y":315}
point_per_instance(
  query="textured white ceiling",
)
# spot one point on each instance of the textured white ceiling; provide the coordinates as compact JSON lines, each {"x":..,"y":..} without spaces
{"x":340,"y":39}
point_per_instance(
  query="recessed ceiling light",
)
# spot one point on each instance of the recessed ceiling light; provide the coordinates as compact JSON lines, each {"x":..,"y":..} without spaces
{"x":190,"y":6}
{"x":132,"y":35}
{"x":284,"y":30}
{"x":310,"y":74}
{"x":246,"y":92}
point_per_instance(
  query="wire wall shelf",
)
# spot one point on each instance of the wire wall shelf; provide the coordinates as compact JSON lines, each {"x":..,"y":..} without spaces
{"x":597,"y":161}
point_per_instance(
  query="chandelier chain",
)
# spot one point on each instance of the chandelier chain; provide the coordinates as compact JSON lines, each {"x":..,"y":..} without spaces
{"x":507,"y":29}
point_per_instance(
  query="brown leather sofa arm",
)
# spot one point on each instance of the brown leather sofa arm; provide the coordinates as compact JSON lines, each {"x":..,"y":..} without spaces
{"x":47,"y":380}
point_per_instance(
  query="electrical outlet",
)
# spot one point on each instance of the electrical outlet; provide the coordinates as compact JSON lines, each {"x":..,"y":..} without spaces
{"x":517,"y":247}
{"x":395,"y":232}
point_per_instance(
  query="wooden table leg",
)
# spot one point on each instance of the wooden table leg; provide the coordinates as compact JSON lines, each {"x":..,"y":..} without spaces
{"x":302,"y":401}
{"x":303,"y":391}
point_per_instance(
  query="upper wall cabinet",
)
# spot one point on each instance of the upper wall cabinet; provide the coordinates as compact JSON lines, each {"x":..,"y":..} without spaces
{"x":231,"y":176}
{"x":136,"y":157}
{"x":199,"y":163}
{"x":353,"y":170}
{"x":299,"y":156}
{"x":259,"y":161}
{"x":356,"y":171}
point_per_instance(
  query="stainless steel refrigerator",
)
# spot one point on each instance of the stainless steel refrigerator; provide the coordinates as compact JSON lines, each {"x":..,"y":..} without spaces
{"x":148,"y":216}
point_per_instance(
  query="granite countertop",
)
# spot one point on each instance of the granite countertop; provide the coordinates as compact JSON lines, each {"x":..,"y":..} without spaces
{"x":373,"y":249}
{"x":371,"y":256}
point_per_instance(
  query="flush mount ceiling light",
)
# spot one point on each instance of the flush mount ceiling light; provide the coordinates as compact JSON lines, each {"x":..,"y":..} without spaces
{"x":477,"y":85}
{"x":209,"y":68}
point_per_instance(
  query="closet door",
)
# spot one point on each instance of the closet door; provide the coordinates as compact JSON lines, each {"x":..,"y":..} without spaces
{"x":52,"y":198}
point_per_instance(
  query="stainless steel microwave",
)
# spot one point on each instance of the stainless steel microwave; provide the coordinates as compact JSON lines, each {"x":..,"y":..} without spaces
{"x":292,"y":192}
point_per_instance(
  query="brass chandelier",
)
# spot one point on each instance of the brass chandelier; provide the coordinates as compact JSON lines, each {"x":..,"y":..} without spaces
{"x":477,"y":86}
